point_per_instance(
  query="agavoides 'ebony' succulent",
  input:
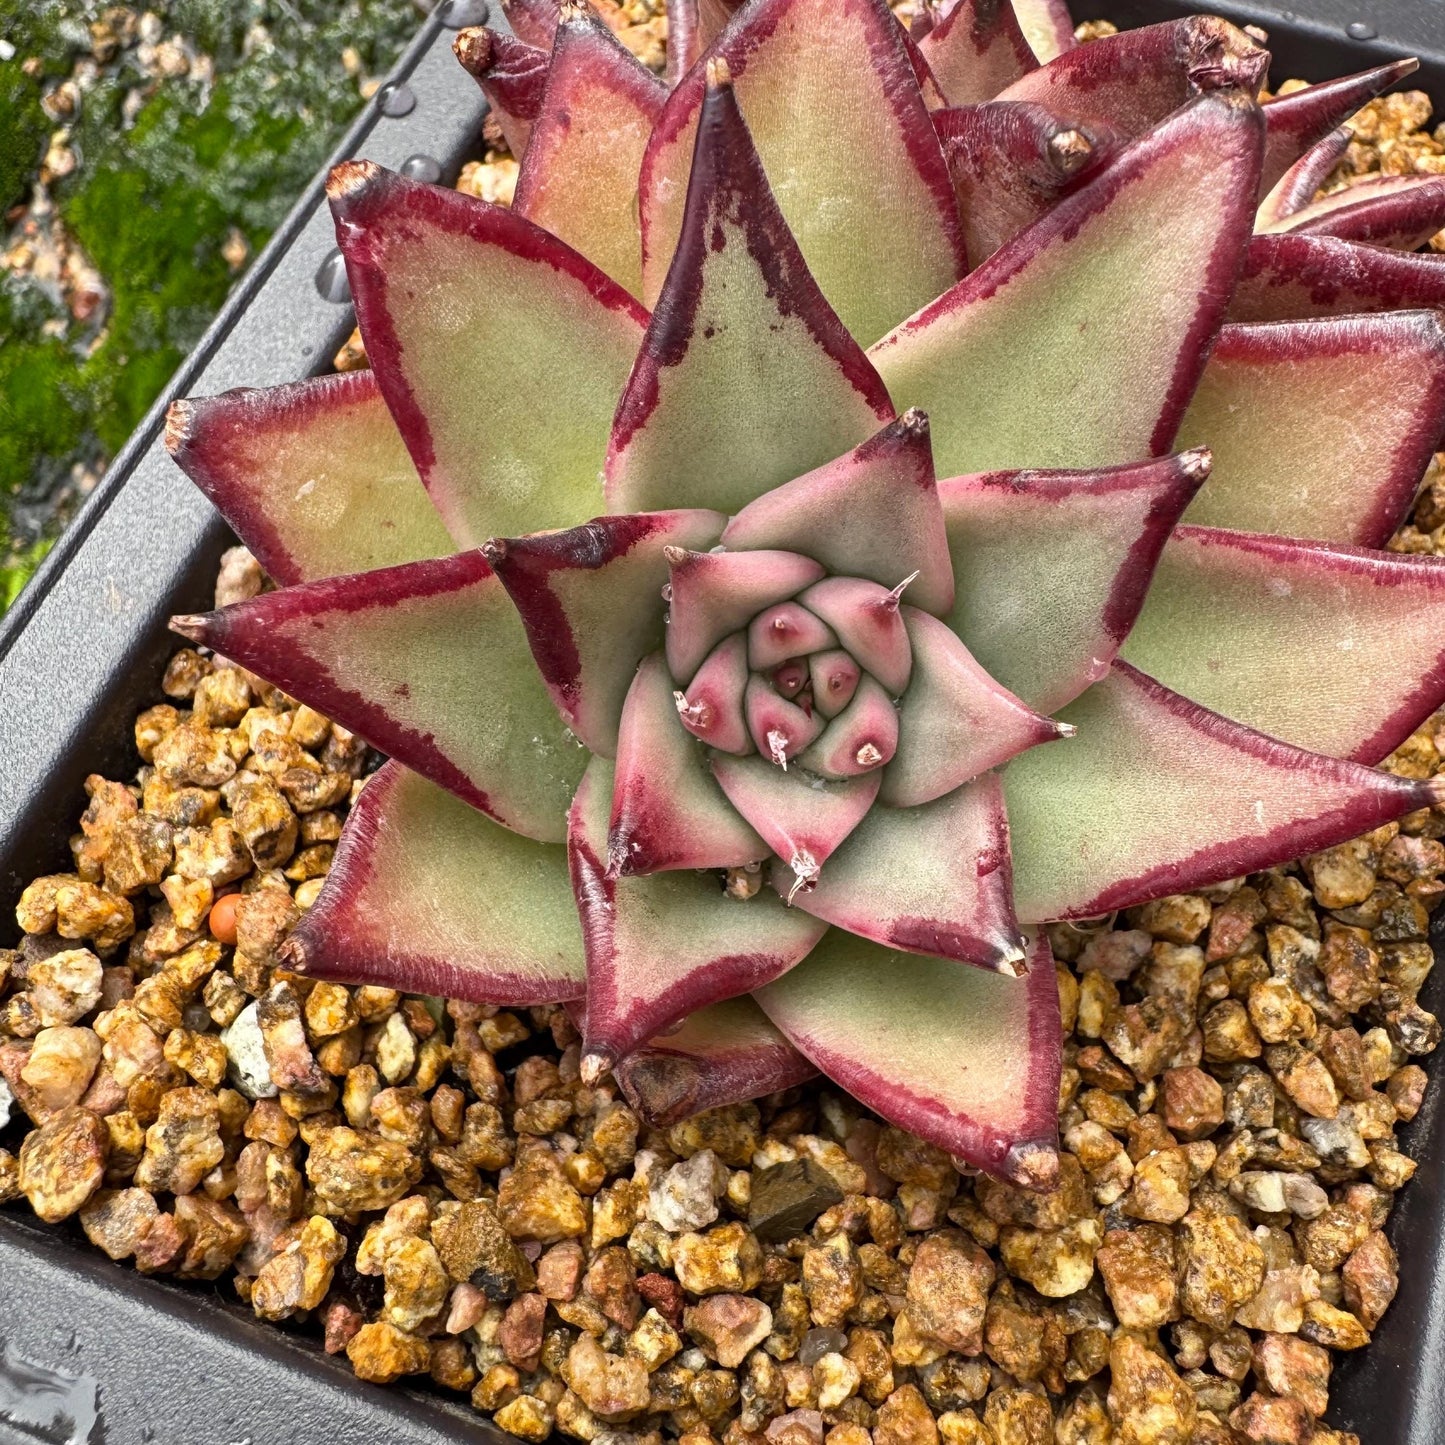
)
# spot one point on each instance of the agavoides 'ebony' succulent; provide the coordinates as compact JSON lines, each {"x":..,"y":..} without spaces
{"x":969,"y":473}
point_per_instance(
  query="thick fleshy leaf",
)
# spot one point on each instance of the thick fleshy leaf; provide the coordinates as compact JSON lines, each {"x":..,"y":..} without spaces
{"x":427,"y":662}
{"x":684,"y":38}
{"x":862,"y":737}
{"x":726,"y":1054}
{"x":967,"y":1059}
{"x":499,"y":350}
{"x":711,"y":708}
{"x":312,"y":476}
{"x":427,"y":895}
{"x":932,"y":880}
{"x":746,"y":376}
{"x":835,"y":677}
{"x":660,"y":947}
{"x":667,"y":810}
{"x":1053,"y":566}
{"x":784,"y":631}
{"x":590,"y":599}
{"x":579,"y":175}
{"x":865,"y":616}
{"x":1010,"y":162}
{"x":1292,"y":277}
{"x":834,"y":107}
{"x":535,"y":21}
{"x":717,"y":593}
{"x":873,"y":513}
{"x":1332,"y":648}
{"x":1047,"y":26}
{"x":1079,"y":343}
{"x":955,"y":721}
{"x":1157,"y":795}
{"x":779,"y":728}
{"x":801,"y":818}
{"x":1279,"y":406}
{"x":976,"y":49}
{"x":512,"y":75}
{"x":1296,"y":188}
{"x":1399,"y":211}
{"x":1295,"y":122}
{"x":1132,"y":80}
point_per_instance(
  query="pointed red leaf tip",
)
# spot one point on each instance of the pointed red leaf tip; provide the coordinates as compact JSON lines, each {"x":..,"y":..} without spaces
{"x":784,"y":631}
{"x":1011,"y":161}
{"x":717,"y":593}
{"x":427,"y":662}
{"x":507,"y":438}
{"x":862,"y":737}
{"x":833,"y":103}
{"x":1332,"y":648}
{"x":1132,"y":80}
{"x":427,"y":895}
{"x":1084,"y":380}
{"x":934,"y":880}
{"x":975,"y":49}
{"x":873,"y":513}
{"x":801,"y":818}
{"x":657,"y":948}
{"x":1399,"y":211}
{"x":780,"y":729}
{"x":1295,"y":122}
{"x":962,"y":1057}
{"x":590,"y":600}
{"x":1293,"y":277}
{"x":1157,"y":795}
{"x":955,"y":721}
{"x":312,"y":476}
{"x":726,"y":1054}
{"x":1296,"y":188}
{"x":746,"y":377}
{"x":579,"y":175}
{"x":667,"y":810}
{"x":835,"y":678}
{"x":1280,"y":404}
{"x":535,"y":21}
{"x":511,"y":74}
{"x":711,"y":708}
{"x":1102,"y":532}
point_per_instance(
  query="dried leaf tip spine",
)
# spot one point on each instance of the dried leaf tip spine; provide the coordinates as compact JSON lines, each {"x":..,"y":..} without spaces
{"x":594,"y":1065}
{"x":895,"y":595}
{"x":1070,"y":150}
{"x":1196,"y":463}
{"x":191,"y":625}
{"x":719,"y":73}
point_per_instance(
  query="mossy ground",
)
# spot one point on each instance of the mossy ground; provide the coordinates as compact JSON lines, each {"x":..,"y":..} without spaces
{"x":168,"y":168}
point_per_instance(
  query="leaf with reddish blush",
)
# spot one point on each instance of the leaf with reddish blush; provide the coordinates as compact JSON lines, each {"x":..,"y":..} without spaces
{"x":780,"y":729}
{"x":535,"y":21}
{"x":1296,"y":188}
{"x":873,"y":513}
{"x":801,"y":818}
{"x":1046,"y":641}
{"x":427,"y":662}
{"x":967,"y":1059}
{"x":1286,"y":278}
{"x":1398,"y":211}
{"x":783,"y":631}
{"x":1279,"y":406}
{"x":579,"y":175}
{"x":660,"y":947}
{"x":1134,"y":79}
{"x":591,"y":601}
{"x":746,"y":376}
{"x":667,"y":810}
{"x":312,"y":476}
{"x":711,"y":707}
{"x":499,"y":350}
{"x":1295,"y":122}
{"x":1079,"y":342}
{"x":1047,"y":26}
{"x":1332,"y":648}
{"x":684,"y":38}
{"x":1157,"y":795}
{"x":833,"y":103}
{"x":955,"y":721}
{"x":511,"y":74}
{"x":427,"y":895}
{"x":862,"y":737}
{"x":975,"y":50}
{"x":933,"y":879}
{"x":727,"y":1054}
{"x":865,"y":617}
{"x":1011,"y":161}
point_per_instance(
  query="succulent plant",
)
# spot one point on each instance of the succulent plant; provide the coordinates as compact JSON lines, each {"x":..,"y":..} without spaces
{"x":969,"y":472}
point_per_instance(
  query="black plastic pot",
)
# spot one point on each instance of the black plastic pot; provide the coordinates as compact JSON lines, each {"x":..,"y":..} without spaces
{"x":89,"y":1350}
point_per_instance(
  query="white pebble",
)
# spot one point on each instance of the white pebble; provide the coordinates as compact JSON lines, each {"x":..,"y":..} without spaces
{"x":246,"y":1050}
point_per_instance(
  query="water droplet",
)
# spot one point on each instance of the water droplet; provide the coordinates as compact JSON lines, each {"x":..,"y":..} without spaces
{"x":396,"y":99}
{"x":422,"y":168}
{"x":1361,"y":30}
{"x":455,"y":14}
{"x":331,"y":279}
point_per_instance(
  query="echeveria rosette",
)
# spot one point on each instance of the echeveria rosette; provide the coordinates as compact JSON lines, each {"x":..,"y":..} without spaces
{"x":886,"y":504}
